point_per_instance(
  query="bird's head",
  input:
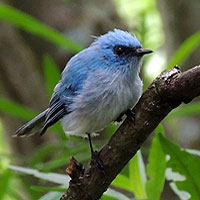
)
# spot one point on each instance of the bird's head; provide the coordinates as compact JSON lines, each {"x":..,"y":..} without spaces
{"x":120,"y":50}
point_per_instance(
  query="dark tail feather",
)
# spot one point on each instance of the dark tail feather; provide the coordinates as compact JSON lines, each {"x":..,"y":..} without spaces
{"x":32,"y":127}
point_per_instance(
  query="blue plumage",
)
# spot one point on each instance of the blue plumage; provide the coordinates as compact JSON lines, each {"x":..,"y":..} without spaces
{"x":97,"y":85}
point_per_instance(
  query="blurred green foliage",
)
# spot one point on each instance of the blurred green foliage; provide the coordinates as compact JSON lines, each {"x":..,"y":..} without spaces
{"x":185,"y":50}
{"x":51,"y":73}
{"x":30,"y":24}
{"x":135,"y":179}
{"x":141,"y":16}
{"x":155,"y":170}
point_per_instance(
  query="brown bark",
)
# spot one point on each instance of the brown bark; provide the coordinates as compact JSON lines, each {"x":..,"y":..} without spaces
{"x":167,"y":92}
{"x":180,"y":21}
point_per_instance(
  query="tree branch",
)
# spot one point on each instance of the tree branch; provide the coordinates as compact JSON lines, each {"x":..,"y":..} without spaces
{"x":166,"y":92}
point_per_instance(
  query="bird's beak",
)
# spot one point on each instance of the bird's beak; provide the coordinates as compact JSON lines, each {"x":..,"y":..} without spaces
{"x":141,"y":51}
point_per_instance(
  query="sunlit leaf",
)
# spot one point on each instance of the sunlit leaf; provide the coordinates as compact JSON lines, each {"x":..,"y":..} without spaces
{"x":183,"y":195}
{"x":59,"y":179}
{"x":4,"y":182}
{"x":104,"y":197}
{"x":185,"y":50}
{"x":32,"y":25}
{"x":185,"y":164}
{"x":122,"y":182}
{"x":137,"y":176}
{"x":173,"y":177}
{"x":52,"y":177}
{"x":156,"y":167}
{"x":193,"y":151}
{"x":115,"y":194}
{"x":14,"y":193}
{"x":110,"y":194}
{"x":52,"y":196}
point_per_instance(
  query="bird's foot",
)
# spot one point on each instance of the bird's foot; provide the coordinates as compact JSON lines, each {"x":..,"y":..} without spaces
{"x":131,"y":115}
{"x":97,"y":161}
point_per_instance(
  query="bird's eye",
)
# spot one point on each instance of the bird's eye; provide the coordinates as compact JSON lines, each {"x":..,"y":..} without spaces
{"x":118,"y":50}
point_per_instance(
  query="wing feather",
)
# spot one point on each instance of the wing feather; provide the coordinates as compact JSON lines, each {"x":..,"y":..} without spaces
{"x":55,"y":112}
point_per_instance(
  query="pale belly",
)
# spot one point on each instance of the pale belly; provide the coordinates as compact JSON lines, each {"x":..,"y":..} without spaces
{"x":95,"y":109}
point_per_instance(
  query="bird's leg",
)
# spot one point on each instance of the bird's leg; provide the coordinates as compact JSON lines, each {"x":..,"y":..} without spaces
{"x":95,"y":155}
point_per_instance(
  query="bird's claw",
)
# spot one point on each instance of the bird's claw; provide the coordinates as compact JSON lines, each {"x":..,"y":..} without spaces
{"x":131,"y":115}
{"x":97,"y":161}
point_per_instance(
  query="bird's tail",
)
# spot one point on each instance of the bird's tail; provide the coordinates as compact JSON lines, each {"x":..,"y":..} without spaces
{"x":32,"y":127}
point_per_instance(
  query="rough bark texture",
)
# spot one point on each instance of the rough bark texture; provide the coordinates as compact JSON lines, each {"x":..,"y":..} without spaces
{"x":167,"y":92}
{"x":180,"y":21}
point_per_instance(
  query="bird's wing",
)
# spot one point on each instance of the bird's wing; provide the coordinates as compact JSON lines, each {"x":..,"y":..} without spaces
{"x":64,"y":92}
{"x":55,"y":112}
{"x":71,"y":84}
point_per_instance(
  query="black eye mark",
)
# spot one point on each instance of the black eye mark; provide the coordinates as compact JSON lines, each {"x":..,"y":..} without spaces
{"x":118,"y":50}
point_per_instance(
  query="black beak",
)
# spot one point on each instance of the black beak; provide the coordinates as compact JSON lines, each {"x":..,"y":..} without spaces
{"x":141,"y":51}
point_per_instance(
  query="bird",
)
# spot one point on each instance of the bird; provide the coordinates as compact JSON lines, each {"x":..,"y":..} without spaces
{"x":98,"y":85}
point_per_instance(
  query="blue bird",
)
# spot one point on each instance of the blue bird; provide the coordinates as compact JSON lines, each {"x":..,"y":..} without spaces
{"x":98,"y":85}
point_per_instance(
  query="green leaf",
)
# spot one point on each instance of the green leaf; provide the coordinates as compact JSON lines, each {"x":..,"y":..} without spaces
{"x":181,"y":194}
{"x":4,"y":182}
{"x":110,"y":129}
{"x":104,"y":197}
{"x":32,"y":25}
{"x":185,"y":50}
{"x":61,"y":179}
{"x":47,"y":189}
{"x":186,"y":164}
{"x":57,"y":162}
{"x":52,"y":177}
{"x":193,"y":151}
{"x":51,"y":73}
{"x":14,"y":193}
{"x":12,"y":108}
{"x":137,"y":176}
{"x":185,"y":110}
{"x":44,"y":152}
{"x":60,"y":152}
{"x":156,"y":167}
{"x":52,"y":196}
{"x":115,"y":194}
{"x":122,"y":182}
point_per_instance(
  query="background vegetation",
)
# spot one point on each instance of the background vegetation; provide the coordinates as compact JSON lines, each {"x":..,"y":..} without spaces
{"x":36,"y":40}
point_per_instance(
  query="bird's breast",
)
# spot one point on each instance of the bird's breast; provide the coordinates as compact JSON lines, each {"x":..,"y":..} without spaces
{"x":104,"y":97}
